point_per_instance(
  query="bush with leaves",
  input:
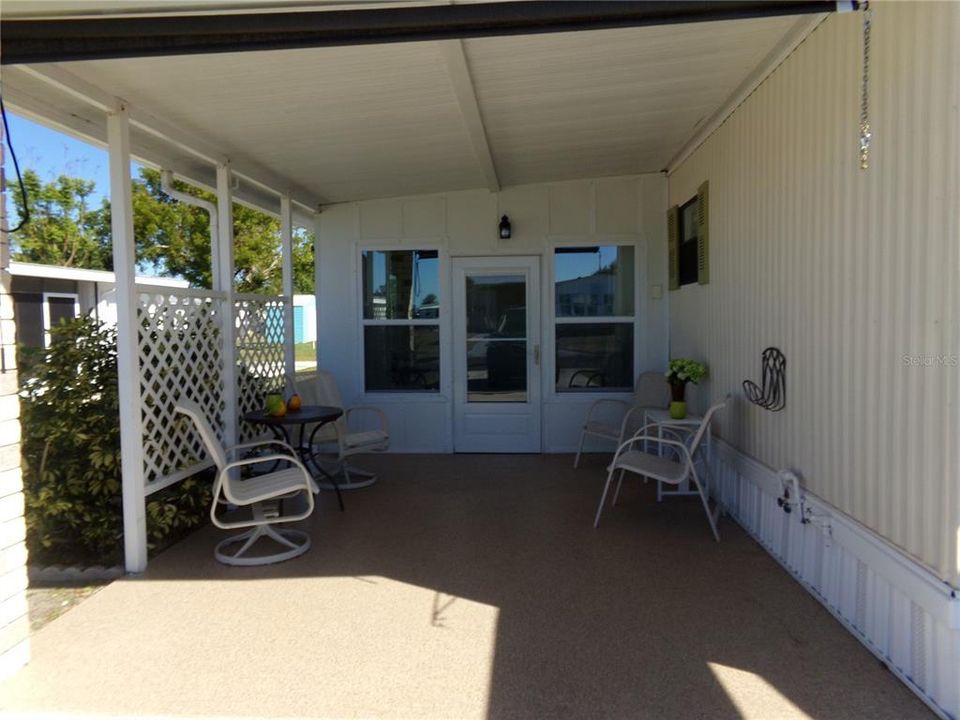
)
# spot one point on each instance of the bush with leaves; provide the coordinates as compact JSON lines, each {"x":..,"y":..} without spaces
{"x":71,"y":455}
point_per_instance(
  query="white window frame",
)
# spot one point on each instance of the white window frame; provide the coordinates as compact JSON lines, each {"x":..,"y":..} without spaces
{"x":46,"y":311}
{"x":442,"y":322}
{"x":551,"y":320}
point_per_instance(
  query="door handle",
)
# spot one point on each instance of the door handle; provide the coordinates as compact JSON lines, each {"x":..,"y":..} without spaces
{"x":536,"y":355}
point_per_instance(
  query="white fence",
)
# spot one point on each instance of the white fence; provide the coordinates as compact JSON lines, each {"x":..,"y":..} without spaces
{"x":260,"y":360}
{"x":181,"y":353}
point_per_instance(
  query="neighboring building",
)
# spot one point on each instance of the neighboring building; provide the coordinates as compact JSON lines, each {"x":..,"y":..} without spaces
{"x":304,"y":319}
{"x":46,"y":294}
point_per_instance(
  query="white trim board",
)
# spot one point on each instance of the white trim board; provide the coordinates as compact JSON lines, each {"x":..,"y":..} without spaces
{"x":45,"y":308}
{"x":896,"y":607}
{"x":57,"y":272}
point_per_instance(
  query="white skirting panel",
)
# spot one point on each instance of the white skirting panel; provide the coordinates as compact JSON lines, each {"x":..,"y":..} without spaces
{"x":898,"y":609}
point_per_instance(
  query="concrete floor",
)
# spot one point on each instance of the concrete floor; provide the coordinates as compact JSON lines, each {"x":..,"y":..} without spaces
{"x":466,"y":587}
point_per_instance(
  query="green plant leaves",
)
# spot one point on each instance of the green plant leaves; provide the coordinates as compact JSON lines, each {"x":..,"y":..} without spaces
{"x":71,"y":454}
{"x":684,"y":370}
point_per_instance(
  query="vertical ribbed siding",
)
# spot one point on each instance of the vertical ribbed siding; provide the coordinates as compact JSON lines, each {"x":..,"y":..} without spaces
{"x":846,"y":271}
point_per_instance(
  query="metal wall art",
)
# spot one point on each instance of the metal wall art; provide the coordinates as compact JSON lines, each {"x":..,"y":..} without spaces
{"x":773,"y":393}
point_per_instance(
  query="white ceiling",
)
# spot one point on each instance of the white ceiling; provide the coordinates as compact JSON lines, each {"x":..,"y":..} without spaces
{"x":385,"y":120}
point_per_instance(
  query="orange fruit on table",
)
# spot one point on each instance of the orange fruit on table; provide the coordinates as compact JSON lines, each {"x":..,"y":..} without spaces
{"x":280,"y":410}
{"x":293,"y":404}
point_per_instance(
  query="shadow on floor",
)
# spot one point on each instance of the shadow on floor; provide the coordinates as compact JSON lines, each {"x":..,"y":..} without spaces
{"x":468,"y":586}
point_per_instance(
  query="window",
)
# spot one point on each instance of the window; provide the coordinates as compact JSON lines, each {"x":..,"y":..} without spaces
{"x":688,"y":240}
{"x":496,"y":338}
{"x":58,"y":308}
{"x":687,"y":230}
{"x":401,"y":320}
{"x":594,"y":305}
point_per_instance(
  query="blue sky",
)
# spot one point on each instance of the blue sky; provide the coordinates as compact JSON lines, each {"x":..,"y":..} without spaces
{"x":570,"y":266}
{"x":51,"y":154}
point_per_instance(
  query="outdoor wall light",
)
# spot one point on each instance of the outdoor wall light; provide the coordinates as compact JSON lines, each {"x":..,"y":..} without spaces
{"x":505,"y":229}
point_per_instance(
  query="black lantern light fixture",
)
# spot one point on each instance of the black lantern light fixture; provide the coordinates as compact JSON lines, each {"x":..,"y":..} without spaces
{"x":505,"y":230}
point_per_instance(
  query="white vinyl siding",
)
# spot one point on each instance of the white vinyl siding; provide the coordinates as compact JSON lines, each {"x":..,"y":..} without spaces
{"x":606,"y":211}
{"x":852,"y":274}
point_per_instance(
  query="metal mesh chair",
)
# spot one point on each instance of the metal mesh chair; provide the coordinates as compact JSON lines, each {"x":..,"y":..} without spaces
{"x":261,"y":494}
{"x":652,"y":392}
{"x":321,"y":389}
{"x":673,"y":469}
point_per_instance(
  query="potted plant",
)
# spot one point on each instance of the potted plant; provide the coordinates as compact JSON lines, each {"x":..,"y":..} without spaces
{"x":680,"y":371}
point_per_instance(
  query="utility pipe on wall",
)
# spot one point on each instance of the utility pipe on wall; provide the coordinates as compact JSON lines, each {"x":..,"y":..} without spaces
{"x":166,"y":184}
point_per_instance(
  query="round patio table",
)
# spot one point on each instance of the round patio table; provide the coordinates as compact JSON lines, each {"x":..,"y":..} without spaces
{"x":317,"y":415}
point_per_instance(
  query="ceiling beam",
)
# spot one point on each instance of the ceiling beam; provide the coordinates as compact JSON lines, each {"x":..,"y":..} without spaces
{"x":459,"y":72}
{"x":146,"y":121}
{"x":66,"y":39}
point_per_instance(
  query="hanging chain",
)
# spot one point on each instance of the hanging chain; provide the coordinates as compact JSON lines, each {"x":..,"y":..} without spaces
{"x":865,"y":134}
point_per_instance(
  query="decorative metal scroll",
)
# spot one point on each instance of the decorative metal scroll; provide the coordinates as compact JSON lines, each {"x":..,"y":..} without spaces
{"x":773,"y":393}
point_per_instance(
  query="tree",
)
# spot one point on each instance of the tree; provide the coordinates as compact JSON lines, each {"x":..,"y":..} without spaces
{"x":63,"y":228}
{"x":71,"y":455}
{"x":175,"y":239}
{"x":172,"y":238}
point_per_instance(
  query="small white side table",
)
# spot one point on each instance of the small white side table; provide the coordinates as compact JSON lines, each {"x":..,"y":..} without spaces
{"x":689,"y":425}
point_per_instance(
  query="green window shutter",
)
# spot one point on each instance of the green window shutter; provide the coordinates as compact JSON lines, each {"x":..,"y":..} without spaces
{"x":703,"y":233}
{"x":673,"y":246}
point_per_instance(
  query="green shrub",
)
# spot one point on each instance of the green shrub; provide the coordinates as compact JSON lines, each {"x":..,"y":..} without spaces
{"x":71,"y":455}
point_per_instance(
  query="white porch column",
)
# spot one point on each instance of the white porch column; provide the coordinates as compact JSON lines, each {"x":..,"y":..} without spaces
{"x":316,"y":280}
{"x":224,"y":282}
{"x":286,"y":241}
{"x":128,"y":360}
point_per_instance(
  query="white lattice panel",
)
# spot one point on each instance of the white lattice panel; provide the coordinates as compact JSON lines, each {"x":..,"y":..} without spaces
{"x":180,"y":353}
{"x":260,"y":359}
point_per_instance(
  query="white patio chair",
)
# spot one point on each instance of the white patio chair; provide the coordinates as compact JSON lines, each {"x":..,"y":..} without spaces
{"x":671,"y":470}
{"x":322,"y":390}
{"x":652,"y":392}
{"x":261,"y":493}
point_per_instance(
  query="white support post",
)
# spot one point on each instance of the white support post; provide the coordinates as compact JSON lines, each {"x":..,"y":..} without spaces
{"x":316,"y":280}
{"x":286,"y":241}
{"x":128,"y":363}
{"x":224,"y":282}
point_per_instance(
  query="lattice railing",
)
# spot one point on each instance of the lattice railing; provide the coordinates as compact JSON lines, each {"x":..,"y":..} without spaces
{"x":180,"y":351}
{"x":260,"y":357}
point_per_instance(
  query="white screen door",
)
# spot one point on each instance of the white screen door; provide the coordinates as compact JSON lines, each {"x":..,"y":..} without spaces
{"x":496,"y":335}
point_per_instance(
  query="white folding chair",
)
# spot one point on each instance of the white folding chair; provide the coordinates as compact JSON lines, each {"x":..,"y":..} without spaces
{"x":321,"y":389}
{"x":261,"y":493}
{"x":671,"y":470}
{"x":652,"y":392}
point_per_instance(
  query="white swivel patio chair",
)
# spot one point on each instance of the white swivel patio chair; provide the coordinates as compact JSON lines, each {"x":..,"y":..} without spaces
{"x":652,"y":392}
{"x":322,"y":390}
{"x":672,"y":468}
{"x":261,"y":494}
